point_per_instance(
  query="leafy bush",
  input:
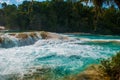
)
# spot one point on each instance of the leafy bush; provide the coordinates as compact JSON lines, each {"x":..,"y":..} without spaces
{"x":112,"y":66}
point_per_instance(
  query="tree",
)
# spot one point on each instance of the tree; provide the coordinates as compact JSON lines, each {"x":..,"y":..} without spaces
{"x":4,"y":5}
{"x":118,"y":3}
{"x":99,"y":3}
{"x":62,"y":16}
{"x":97,"y":9}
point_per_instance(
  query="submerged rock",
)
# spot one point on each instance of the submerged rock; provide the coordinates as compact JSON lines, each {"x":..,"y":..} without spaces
{"x":50,"y":35}
{"x":22,"y":35}
{"x":44,"y":34}
{"x":10,"y":77}
{"x":12,"y":34}
{"x":33,"y":34}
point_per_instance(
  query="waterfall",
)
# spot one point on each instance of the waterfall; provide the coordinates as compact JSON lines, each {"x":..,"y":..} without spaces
{"x":25,"y":55}
{"x":8,"y":40}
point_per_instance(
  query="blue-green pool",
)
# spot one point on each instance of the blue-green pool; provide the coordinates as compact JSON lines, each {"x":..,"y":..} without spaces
{"x":63,"y":56}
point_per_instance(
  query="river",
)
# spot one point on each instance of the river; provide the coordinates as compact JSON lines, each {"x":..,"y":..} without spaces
{"x":64,"y":57}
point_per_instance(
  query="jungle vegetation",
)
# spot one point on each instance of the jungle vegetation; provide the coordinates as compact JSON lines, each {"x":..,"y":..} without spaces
{"x":101,"y":17}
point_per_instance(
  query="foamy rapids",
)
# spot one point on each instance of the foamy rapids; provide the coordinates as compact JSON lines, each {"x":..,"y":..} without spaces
{"x":32,"y":52}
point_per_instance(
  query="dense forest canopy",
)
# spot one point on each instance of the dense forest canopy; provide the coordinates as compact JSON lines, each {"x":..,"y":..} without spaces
{"x":63,"y":16}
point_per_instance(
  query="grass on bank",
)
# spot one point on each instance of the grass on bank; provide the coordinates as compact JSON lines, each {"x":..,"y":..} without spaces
{"x":112,"y":67}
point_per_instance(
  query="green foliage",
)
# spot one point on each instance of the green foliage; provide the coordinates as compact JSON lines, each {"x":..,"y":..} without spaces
{"x":112,"y":66}
{"x":60,"y":16}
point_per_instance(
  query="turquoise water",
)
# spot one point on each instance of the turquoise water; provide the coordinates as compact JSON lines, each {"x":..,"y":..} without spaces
{"x":63,"y":56}
{"x":93,"y":36}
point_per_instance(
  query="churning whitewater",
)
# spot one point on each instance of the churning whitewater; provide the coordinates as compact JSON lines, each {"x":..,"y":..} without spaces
{"x":67,"y":56}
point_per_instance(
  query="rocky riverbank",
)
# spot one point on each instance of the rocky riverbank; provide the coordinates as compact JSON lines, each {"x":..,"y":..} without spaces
{"x":93,"y":72}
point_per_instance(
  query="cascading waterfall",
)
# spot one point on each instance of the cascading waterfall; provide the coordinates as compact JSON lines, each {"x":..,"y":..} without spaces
{"x":18,"y":39}
{"x":63,"y":56}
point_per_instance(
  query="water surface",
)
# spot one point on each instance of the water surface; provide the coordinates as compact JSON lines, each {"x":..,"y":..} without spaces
{"x":63,"y":56}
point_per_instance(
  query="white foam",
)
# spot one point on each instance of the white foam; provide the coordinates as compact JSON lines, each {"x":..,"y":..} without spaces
{"x":12,"y":41}
{"x":52,"y":53}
